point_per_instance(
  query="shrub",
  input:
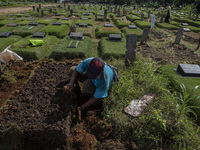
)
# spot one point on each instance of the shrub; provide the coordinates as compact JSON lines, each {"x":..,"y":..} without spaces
{"x":166,"y":26}
{"x":108,"y":49}
{"x":29,"y":53}
{"x":105,"y":31}
{"x":62,"y":51}
{"x":143,"y":24}
{"x":5,"y":42}
{"x":58,"y":31}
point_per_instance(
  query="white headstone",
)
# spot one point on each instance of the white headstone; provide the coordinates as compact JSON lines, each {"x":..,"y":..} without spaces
{"x":153,"y":18}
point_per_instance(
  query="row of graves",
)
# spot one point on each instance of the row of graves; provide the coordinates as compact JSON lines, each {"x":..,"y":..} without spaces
{"x":67,"y":30}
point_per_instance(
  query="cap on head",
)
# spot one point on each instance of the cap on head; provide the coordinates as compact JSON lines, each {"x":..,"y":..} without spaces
{"x":95,"y":68}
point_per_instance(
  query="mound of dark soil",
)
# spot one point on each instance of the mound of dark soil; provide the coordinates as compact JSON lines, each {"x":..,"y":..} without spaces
{"x":42,"y":109}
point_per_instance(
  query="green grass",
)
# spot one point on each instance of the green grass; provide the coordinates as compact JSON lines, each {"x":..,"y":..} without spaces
{"x":194,"y":29}
{"x":131,"y":18}
{"x":175,"y":23}
{"x":108,"y":49}
{"x":142,"y":24}
{"x":137,"y":31}
{"x":35,"y":53}
{"x":166,"y":26}
{"x":120,"y":24}
{"x":8,"y":29}
{"x":5,"y":22}
{"x":62,"y":51}
{"x":67,"y":22}
{"x":87,"y":31}
{"x":58,"y":31}
{"x":89,"y":22}
{"x":102,"y":31}
{"x":26,"y":30}
{"x":5,"y":42}
{"x":46,"y":21}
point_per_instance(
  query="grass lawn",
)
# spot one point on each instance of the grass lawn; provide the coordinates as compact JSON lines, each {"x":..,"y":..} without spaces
{"x":35,"y":53}
{"x":137,"y":31}
{"x":89,"y":22}
{"x":81,"y":51}
{"x":142,"y":24}
{"x":87,"y":31}
{"x":167,"y":26}
{"x":109,"y":49}
{"x":5,"y":42}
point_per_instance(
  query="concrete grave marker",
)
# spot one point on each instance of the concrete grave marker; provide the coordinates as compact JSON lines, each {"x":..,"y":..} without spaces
{"x":31,"y":19}
{"x":189,"y":70}
{"x":33,"y":23}
{"x":142,"y":17}
{"x":72,"y":45}
{"x":57,"y":23}
{"x":5,"y":34}
{"x":149,"y":14}
{"x":86,"y":14}
{"x":137,"y":107}
{"x":144,"y":35}
{"x":105,"y":15}
{"x":132,"y":26}
{"x":178,"y":36}
{"x":115,"y":37}
{"x":84,"y":18}
{"x":185,"y":24}
{"x":22,"y":12}
{"x":12,"y":25}
{"x":48,"y":18}
{"x":181,"y":17}
{"x":38,"y":35}
{"x":64,"y":18}
{"x":27,"y":16}
{"x":153,"y":18}
{"x":11,"y":18}
{"x":161,"y":19}
{"x":131,"y":43}
{"x":186,"y":30}
{"x":57,"y":14}
{"x":76,"y":35}
{"x":83,"y":25}
{"x":108,"y":25}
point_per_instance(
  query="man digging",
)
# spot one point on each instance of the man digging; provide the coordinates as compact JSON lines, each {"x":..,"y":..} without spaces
{"x":97,"y":78}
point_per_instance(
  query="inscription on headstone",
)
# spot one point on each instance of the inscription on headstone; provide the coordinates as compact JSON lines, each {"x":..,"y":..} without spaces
{"x":191,"y":70}
{"x":38,"y":35}
{"x":178,"y":36}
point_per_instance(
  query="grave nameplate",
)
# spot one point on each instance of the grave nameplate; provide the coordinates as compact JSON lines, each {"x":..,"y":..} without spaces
{"x":101,"y":15}
{"x":63,"y":12}
{"x":38,"y":35}
{"x":181,"y":17}
{"x":57,"y":14}
{"x":12,"y":25}
{"x":27,"y":15}
{"x":115,"y":37}
{"x":108,"y":25}
{"x":185,"y":24}
{"x":134,"y":16}
{"x":76,"y":35}
{"x":57,"y":23}
{"x":31,"y":19}
{"x":11,"y":15}
{"x":11,"y":18}
{"x":84,"y":18}
{"x":35,"y":23}
{"x":5,"y":34}
{"x":71,"y":44}
{"x":190,"y":70}
{"x":119,"y":15}
{"x":83,"y":25}
{"x":86,"y":14}
{"x":132,"y":26}
{"x":186,"y":30}
{"x":64,"y":18}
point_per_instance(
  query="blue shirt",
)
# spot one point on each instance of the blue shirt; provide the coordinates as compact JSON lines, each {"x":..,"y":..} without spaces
{"x":103,"y":83}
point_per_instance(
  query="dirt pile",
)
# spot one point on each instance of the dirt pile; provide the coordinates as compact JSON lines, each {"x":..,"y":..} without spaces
{"x":42,"y":109}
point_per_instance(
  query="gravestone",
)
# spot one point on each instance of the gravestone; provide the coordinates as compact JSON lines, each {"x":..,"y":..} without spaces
{"x":189,"y":70}
{"x":196,"y":17}
{"x":33,"y":8}
{"x":12,"y":25}
{"x":76,"y":35}
{"x":39,"y":6}
{"x":48,"y":18}
{"x":118,"y":13}
{"x":64,"y":18}
{"x":68,"y":7}
{"x":42,"y":13}
{"x":153,"y":18}
{"x":178,"y":36}
{"x":72,"y":28}
{"x":57,"y":23}
{"x":144,"y":35}
{"x":185,"y":24}
{"x":71,"y":12}
{"x":105,"y":15}
{"x":161,"y":19}
{"x":111,"y":9}
{"x":149,"y":14}
{"x":5,"y":34}
{"x":108,"y":25}
{"x":27,"y":16}
{"x":142,"y":17}
{"x":159,"y":14}
{"x":132,"y":26}
{"x":86,"y":14}
{"x":115,"y":9}
{"x":57,"y":14}
{"x":35,"y":23}
{"x":186,"y":30}
{"x":131,"y":43}
{"x":31,"y":19}
{"x":84,"y":18}
{"x":73,"y":46}
{"x":38,"y":9}
{"x":22,"y":12}
{"x":11,"y":18}
{"x":83,"y":25}
{"x":181,"y":17}
{"x":50,"y":10}
{"x":115,"y":37}
{"x":38,"y":35}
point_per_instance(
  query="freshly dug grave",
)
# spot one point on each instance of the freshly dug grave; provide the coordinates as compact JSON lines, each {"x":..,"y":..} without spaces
{"x":42,"y":110}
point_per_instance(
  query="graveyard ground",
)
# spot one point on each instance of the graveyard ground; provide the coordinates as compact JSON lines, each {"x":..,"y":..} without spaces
{"x":49,"y":118}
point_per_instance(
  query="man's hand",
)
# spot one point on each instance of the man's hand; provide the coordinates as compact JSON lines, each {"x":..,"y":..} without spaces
{"x":68,"y":87}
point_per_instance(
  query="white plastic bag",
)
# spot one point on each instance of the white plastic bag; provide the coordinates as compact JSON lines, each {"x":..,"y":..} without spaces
{"x":8,"y":55}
